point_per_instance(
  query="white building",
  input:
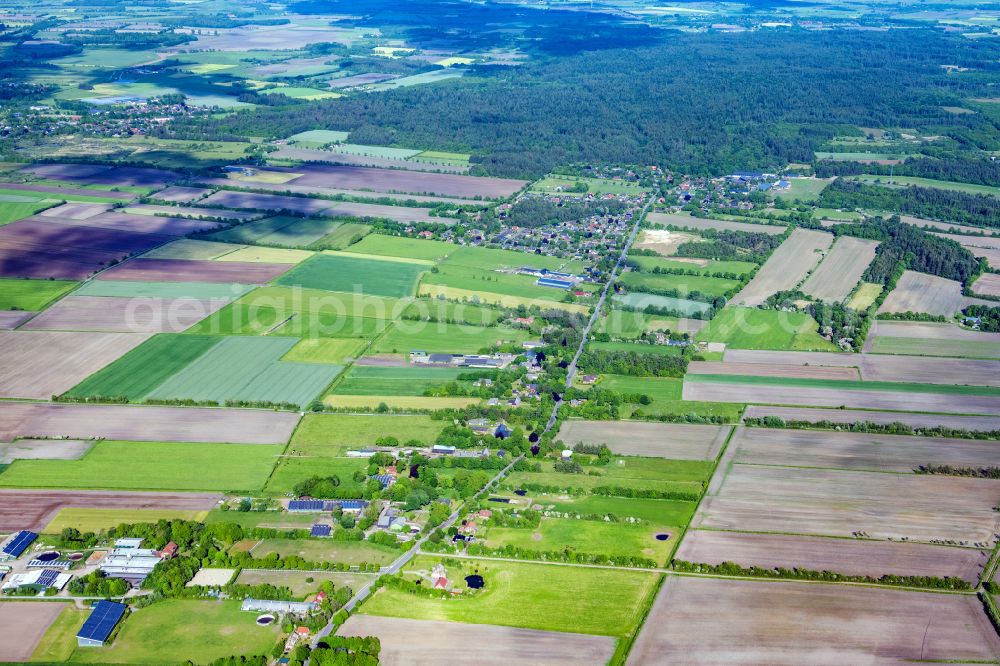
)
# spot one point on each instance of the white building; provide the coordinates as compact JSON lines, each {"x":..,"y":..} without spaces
{"x":132,"y":564}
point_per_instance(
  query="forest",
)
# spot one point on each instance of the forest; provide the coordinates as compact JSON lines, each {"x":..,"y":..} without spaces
{"x":977,"y":210}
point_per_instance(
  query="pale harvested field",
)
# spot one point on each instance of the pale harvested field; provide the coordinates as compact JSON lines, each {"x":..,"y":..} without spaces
{"x":146,"y":423}
{"x":196,"y":270}
{"x":425,"y":642}
{"x":929,"y":330}
{"x":992,"y":255}
{"x":873,"y":367}
{"x":316,"y":155}
{"x":934,"y":224}
{"x":77,"y":211}
{"x":992,"y":242}
{"x":663,"y":241}
{"x":34,"y":509}
{"x":43,"y":449}
{"x":397,"y":213}
{"x":988,"y":284}
{"x":679,"y":220}
{"x":712,"y":621}
{"x":24,"y":624}
{"x":40,"y":364}
{"x":417,"y":182}
{"x":827,"y":502}
{"x":211,"y":577}
{"x":811,"y":415}
{"x":855,"y":398}
{"x":786,"y":266}
{"x":851,"y":557}
{"x":919,"y":292}
{"x":11,"y":319}
{"x":334,"y":191}
{"x":859,"y":451}
{"x":638,"y":438}
{"x":841,"y":269}
{"x":180,"y":194}
{"x":771,"y":370}
{"x":125,"y":315}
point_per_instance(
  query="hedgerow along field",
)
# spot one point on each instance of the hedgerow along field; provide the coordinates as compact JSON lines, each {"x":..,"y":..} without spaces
{"x":340,"y":272}
{"x":115,"y":465}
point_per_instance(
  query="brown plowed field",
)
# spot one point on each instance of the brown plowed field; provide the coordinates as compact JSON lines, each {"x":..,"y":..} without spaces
{"x":40,"y":364}
{"x":812,"y":415}
{"x":112,"y":176}
{"x":190,"y":211}
{"x":769,"y":370}
{"x":929,"y":331}
{"x":67,"y":191}
{"x":639,"y":438}
{"x":974,"y":241}
{"x":919,"y":292}
{"x":143,"y":224}
{"x":851,"y":557}
{"x":195,"y":270}
{"x":786,"y":266}
{"x":76,"y":211}
{"x":24,"y":624}
{"x":832,"y":397}
{"x":146,"y":423}
{"x":827,"y":502}
{"x":33,"y":509}
{"x":124,"y":315}
{"x":417,"y":182}
{"x":713,"y":621}
{"x":424,"y":642}
{"x":988,"y":284}
{"x":841,"y":269}
{"x":270,"y":202}
{"x":677,"y":220}
{"x":859,"y":451}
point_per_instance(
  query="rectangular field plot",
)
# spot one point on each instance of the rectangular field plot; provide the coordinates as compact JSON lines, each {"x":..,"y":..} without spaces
{"x":407,"y":641}
{"x":280,"y":230}
{"x":786,"y":267}
{"x":328,"y":433}
{"x":24,"y":624}
{"x":186,"y":248}
{"x":569,"y":599}
{"x":931,"y":339}
{"x":403,"y":402}
{"x":318,"y":550}
{"x":388,"y":180}
{"x":32,"y":295}
{"x":830,"y":502}
{"x":181,"y":195}
{"x":705,"y":266}
{"x":435,"y":337}
{"x":40,"y":364}
{"x":585,"y":536}
{"x":95,"y":520}
{"x":408,"y":248}
{"x":799,"y":623}
{"x":640,"y":300}
{"x":698,"y":223}
{"x":193,"y":270}
{"x":292,"y":470}
{"x":248,"y":369}
{"x":625,"y":472}
{"x":841,"y":269}
{"x":639,"y":438}
{"x":766,"y":370}
{"x":394,"y":381}
{"x":345,"y":273}
{"x":666,"y":397}
{"x":988,"y":284}
{"x":810,"y":415}
{"x":655,"y":511}
{"x":747,"y":328}
{"x":919,"y":292}
{"x":35,"y":509}
{"x":138,"y":372}
{"x":684,"y":284}
{"x":167,"y":290}
{"x":125,"y":314}
{"x":850,"y":557}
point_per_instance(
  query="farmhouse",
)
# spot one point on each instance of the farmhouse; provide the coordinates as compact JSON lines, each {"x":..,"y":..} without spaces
{"x":101,"y":623}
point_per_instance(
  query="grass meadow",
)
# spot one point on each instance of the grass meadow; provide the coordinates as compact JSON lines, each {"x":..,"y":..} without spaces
{"x":410,"y":380}
{"x":345,"y":273}
{"x":31,"y":295}
{"x":665,"y":394}
{"x":749,"y":328}
{"x":588,"y":536}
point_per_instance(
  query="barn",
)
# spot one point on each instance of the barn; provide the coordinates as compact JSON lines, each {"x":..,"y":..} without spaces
{"x":98,"y":628}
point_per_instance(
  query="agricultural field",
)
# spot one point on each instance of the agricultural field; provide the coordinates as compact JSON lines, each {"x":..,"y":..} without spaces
{"x":636,"y":438}
{"x":427,"y":641}
{"x":639,"y":300}
{"x":786,"y":267}
{"x":920,"y":292}
{"x":666,"y":398}
{"x":341,"y":272}
{"x":187,"y":248}
{"x":281,"y":230}
{"x":135,"y":314}
{"x":796,"y":623}
{"x":394,"y":381}
{"x":631,"y":324}
{"x":803,"y":189}
{"x":193,"y":270}
{"x":295,"y":468}
{"x":296,"y":580}
{"x":988,"y":284}
{"x":704,"y":266}
{"x":931,"y":339}
{"x":627,"y":472}
{"x":400,"y":402}
{"x":906,"y":181}
{"x":31,"y":295}
{"x":841,"y":269}
{"x":408,"y":248}
{"x":556,"y":184}
{"x":586,"y":536}
{"x":746,"y":328}
{"x":636,"y":347}
{"x":708,"y":287}
{"x":791,"y":371}
{"x":700,"y":223}
{"x":25,"y":625}
{"x":814,"y":415}
{"x":94,"y":520}
{"x":334,"y":351}
{"x":206,"y":291}
{"x":865,"y":295}
{"x":566,"y":599}
{"x":115,"y":465}
{"x":327,"y":550}
{"x":436,"y":337}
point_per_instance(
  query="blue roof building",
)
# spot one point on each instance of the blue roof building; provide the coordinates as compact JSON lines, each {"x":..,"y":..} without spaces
{"x":320,"y":531}
{"x":96,"y":631}
{"x":17,"y":544}
{"x":551,"y":282}
{"x":308,"y":506}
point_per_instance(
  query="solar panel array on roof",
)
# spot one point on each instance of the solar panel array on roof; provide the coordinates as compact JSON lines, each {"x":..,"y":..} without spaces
{"x":321,"y":531}
{"x":48,"y":577}
{"x":352,"y":505}
{"x":102,"y":621}
{"x":305,"y":505}
{"x":19,"y":543}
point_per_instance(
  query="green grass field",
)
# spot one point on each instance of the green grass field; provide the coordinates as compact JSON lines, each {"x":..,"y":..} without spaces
{"x":848,"y":385}
{"x":345,"y":273}
{"x":437,"y":309}
{"x":31,"y":295}
{"x":95,"y":520}
{"x":636,"y":348}
{"x":382,"y":152}
{"x":804,"y":189}
{"x":298,"y":583}
{"x":490,"y":259}
{"x":177,"y":466}
{"x":320,"y":137}
{"x":247,"y":368}
{"x":175,"y":630}
{"x":749,"y":328}
{"x":562,"y":184}
{"x":864,"y":296}
{"x":638,"y":299}
{"x":406,"y":336}
{"x":628,"y":472}
{"x":139,"y":372}
{"x":711,"y":266}
{"x":403,"y":381}
{"x":665,"y":393}
{"x":331,"y":434}
{"x":400,"y":402}
{"x":59,"y":641}
{"x":489,"y":280}
{"x":409,"y":248}
{"x":285,"y":231}
{"x":684,"y":284}
{"x":661,"y":512}
{"x":292,"y":470}
{"x":587,"y":536}
{"x":21,"y":207}
{"x":187,"y":248}
{"x":905,"y":181}
{"x":533,"y":596}
{"x":342,"y":237}
{"x":630,"y":324}
{"x":323,"y":350}
{"x":327,"y":550}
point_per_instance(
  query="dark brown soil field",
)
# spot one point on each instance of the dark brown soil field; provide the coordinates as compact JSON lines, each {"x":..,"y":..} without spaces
{"x":270,"y":202}
{"x":125,"y":315}
{"x":76,"y":211}
{"x":713,"y":621}
{"x":195,"y":270}
{"x":387,"y":180}
{"x":91,"y":174}
{"x":33,"y":509}
{"x":40,"y":364}
{"x":397,"y":213}
{"x":146,"y":423}
{"x":851,"y":557}
{"x":814,"y":415}
{"x":638,"y":438}
{"x":24,"y":624}
{"x":771,"y":370}
{"x":425,"y":642}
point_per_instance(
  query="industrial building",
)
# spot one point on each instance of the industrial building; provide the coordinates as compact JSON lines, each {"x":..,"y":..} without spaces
{"x":99,"y":626}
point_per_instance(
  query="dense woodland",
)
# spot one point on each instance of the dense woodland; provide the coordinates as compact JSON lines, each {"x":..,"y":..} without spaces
{"x":977,"y":210}
{"x":699,"y":103}
{"x":959,"y":169}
